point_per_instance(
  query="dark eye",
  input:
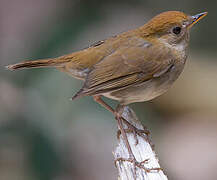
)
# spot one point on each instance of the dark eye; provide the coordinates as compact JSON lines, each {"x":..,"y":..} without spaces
{"x":177,"y":30}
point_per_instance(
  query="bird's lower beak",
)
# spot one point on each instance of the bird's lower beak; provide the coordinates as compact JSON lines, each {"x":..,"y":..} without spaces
{"x":196,"y":18}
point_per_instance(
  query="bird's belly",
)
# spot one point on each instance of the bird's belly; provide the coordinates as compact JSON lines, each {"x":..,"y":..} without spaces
{"x":147,"y":90}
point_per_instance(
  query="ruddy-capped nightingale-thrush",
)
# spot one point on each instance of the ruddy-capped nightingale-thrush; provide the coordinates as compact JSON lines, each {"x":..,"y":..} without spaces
{"x":137,"y":65}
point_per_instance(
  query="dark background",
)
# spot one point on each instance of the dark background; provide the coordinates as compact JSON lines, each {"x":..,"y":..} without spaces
{"x":44,"y":136}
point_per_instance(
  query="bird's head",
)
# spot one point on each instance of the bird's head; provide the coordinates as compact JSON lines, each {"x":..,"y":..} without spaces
{"x":171,"y":27}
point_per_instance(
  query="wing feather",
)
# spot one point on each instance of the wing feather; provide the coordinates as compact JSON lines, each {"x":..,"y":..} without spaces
{"x":128,"y":65}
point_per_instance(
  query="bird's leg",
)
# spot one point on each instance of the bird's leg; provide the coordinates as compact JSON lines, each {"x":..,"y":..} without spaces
{"x":131,"y":128}
{"x":118,"y":115}
{"x":99,"y":100}
{"x":132,"y":159}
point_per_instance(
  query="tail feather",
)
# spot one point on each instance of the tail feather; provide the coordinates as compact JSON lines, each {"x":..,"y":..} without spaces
{"x":38,"y":63}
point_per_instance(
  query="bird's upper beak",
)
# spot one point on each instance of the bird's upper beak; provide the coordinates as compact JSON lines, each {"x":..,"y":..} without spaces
{"x":196,"y":18}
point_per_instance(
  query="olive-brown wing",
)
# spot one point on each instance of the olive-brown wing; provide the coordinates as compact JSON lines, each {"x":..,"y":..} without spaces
{"x":127,"y":66}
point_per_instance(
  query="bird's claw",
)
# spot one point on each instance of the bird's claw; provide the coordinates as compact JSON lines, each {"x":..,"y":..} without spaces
{"x":132,"y":129}
{"x":139,"y":164}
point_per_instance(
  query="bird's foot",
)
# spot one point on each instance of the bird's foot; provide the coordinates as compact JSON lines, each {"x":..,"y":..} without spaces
{"x":144,"y":133}
{"x":140,"y":165}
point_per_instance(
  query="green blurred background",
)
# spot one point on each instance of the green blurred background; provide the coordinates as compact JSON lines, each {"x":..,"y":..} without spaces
{"x":44,"y":136}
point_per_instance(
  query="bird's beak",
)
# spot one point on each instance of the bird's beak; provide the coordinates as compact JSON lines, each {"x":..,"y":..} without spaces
{"x":196,"y":18}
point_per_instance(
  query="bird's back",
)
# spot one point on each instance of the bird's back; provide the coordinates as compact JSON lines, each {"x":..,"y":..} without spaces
{"x":81,"y":62}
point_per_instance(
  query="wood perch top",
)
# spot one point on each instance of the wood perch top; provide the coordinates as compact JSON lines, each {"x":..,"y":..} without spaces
{"x":143,"y":152}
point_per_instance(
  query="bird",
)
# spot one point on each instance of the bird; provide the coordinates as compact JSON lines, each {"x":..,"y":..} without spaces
{"x":134,"y":66}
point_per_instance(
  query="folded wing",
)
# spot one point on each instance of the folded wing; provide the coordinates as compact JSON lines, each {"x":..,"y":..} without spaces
{"x":130,"y":64}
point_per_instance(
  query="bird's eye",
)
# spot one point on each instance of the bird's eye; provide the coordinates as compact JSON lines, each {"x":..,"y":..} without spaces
{"x":177,"y":30}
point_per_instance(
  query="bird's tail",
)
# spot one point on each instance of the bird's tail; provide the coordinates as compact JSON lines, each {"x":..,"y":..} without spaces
{"x":55,"y":62}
